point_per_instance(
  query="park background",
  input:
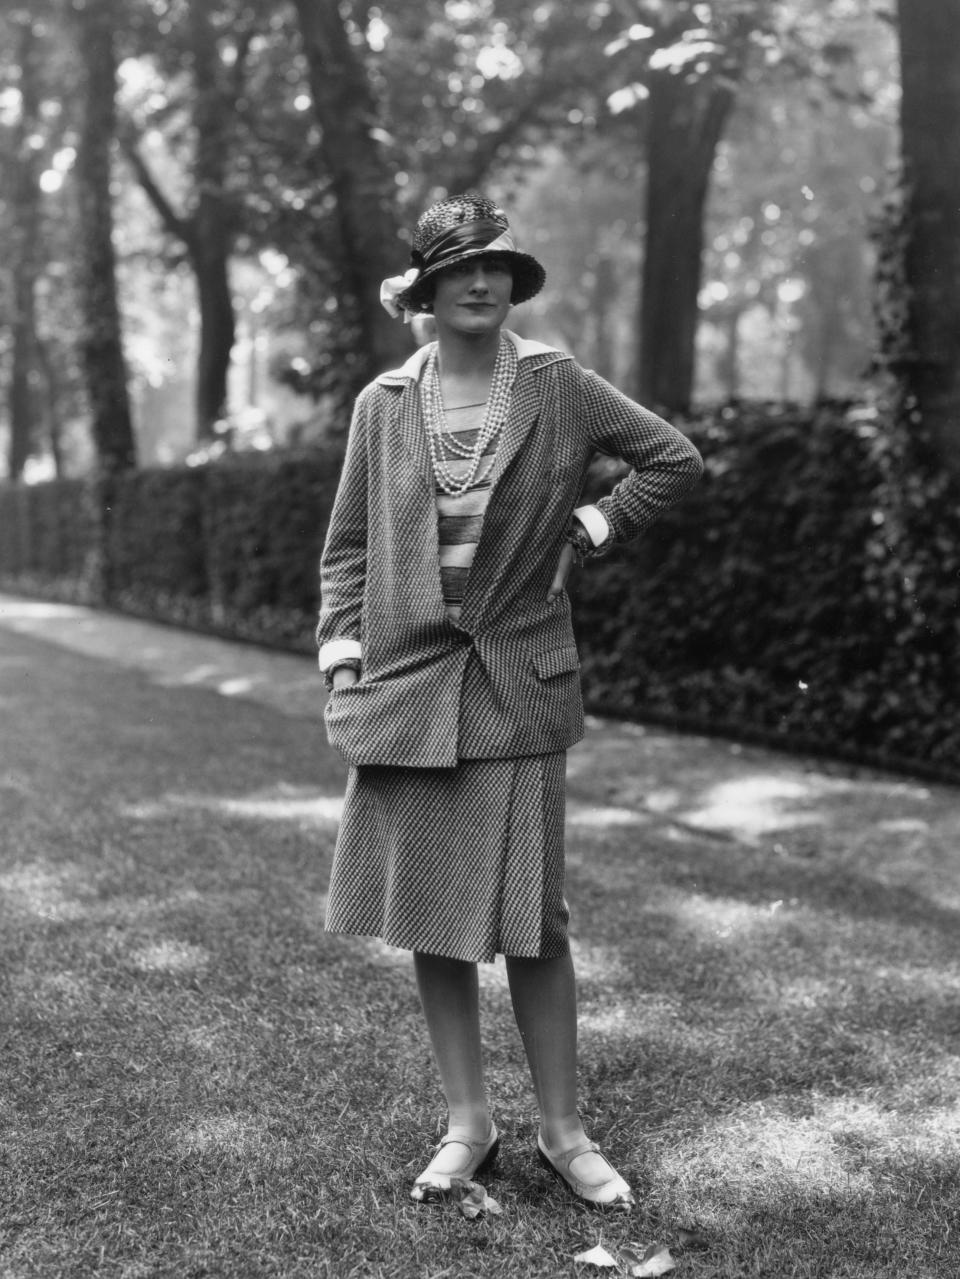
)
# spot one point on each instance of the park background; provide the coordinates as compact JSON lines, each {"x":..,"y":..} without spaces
{"x":750,"y":216}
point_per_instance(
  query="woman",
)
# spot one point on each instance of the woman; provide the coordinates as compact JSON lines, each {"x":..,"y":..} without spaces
{"x":445,"y":636}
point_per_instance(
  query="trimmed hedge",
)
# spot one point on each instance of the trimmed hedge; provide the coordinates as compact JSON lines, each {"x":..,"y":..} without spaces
{"x":807,"y":593}
{"x":49,"y":538}
{"x":231,"y":547}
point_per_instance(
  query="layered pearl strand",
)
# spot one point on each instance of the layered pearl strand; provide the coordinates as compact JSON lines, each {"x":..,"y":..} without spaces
{"x":444,"y":446}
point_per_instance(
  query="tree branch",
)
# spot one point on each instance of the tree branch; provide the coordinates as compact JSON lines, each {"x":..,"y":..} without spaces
{"x":172,"y":221}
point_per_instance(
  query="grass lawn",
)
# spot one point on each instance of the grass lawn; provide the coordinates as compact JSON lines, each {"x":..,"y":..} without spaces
{"x":197,"y":1082}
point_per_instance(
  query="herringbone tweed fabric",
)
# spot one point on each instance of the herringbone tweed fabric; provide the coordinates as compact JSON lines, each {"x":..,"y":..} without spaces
{"x":464,"y":862}
{"x":502,"y":680}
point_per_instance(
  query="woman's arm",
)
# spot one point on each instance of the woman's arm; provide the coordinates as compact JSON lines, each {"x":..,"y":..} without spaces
{"x":343,"y":564}
{"x":664,"y":464}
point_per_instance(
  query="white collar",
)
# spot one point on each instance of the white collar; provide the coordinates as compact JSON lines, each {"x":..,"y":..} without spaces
{"x":526,"y":349}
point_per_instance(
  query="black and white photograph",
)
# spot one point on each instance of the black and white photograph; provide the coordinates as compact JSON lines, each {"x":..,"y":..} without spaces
{"x":479,"y":639}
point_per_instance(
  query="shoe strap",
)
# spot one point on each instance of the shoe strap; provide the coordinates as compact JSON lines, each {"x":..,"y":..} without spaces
{"x":567,"y":1156}
{"x":448,"y":1139}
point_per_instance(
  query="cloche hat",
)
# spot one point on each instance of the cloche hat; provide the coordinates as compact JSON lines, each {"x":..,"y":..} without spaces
{"x":450,"y":231}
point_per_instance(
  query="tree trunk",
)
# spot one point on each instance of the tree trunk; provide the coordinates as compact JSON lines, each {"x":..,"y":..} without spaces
{"x":602,"y":295}
{"x":210,"y":230}
{"x":930,"y":125}
{"x":370,"y":248}
{"x":24,"y":195}
{"x":728,"y":365}
{"x":685,"y":123}
{"x":52,"y":406}
{"x":101,"y":345}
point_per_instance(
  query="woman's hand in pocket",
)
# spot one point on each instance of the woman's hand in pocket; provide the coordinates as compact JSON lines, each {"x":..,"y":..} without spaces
{"x":344,"y":677}
{"x":563,"y":572}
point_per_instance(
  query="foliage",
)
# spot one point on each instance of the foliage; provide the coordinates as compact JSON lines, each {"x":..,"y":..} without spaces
{"x":48,"y":537}
{"x":461,"y":94}
{"x":929,"y":34}
{"x":231,"y":547}
{"x":807,"y":593}
{"x":38,"y":233}
{"x":789,"y":259}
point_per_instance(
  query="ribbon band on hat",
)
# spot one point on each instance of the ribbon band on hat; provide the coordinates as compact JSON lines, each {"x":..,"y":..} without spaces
{"x":469,"y":238}
{"x":481,"y":236}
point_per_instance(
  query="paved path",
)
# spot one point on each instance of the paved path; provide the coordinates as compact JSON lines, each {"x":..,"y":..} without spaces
{"x":622,"y":776}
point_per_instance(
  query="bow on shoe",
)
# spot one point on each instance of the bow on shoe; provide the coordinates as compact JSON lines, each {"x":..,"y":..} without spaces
{"x":391,"y":289}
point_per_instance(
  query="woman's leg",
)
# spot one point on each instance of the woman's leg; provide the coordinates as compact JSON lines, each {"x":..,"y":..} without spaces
{"x":544,"y":998}
{"x":449,"y":995}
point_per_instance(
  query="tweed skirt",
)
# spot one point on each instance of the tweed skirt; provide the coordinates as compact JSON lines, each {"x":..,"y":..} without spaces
{"x":465,"y":862}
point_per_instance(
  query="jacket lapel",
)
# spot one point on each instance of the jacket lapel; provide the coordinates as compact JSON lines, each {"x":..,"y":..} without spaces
{"x":411,"y":430}
{"x":523,"y":412}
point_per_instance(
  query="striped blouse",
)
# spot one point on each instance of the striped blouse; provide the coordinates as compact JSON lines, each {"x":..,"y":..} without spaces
{"x":460,"y":518}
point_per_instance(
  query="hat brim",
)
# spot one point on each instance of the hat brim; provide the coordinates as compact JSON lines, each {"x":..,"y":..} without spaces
{"x":528,"y":278}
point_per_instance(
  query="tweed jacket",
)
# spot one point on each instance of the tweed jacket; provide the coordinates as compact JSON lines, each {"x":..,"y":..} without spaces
{"x":503,"y":681}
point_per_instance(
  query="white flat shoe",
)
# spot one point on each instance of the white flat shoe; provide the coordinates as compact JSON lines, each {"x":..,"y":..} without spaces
{"x":431,"y":1187}
{"x":612,"y":1192}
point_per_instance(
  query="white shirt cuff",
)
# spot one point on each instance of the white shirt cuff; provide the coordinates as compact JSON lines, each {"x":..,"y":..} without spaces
{"x":336,"y":651}
{"x":595,"y":522}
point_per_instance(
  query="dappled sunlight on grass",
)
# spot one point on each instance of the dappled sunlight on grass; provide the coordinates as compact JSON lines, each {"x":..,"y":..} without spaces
{"x":169,"y":955}
{"x":228,"y":1133}
{"x":279,"y":803}
{"x":386,"y":956}
{"x":753,"y":806}
{"x":40,"y":610}
{"x":904,"y":825}
{"x":197,"y":1074}
{"x":198,"y":674}
{"x":35,"y":890}
{"x":725,"y":918}
{"x":597,"y":962}
{"x":763,"y":1153}
{"x":206,"y":1039}
{"x":238,"y":686}
{"x":766,"y":803}
{"x":598,"y":816}
{"x":767,"y":1157}
{"x":60,"y":992}
{"x":647,"y":1017}
{"x":664,"y":799}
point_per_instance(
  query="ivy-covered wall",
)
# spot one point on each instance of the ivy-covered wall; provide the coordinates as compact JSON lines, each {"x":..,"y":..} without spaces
{"x":807,"y":593}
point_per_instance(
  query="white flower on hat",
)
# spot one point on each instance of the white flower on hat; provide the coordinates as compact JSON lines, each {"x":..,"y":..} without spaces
{"x":391,"y":289}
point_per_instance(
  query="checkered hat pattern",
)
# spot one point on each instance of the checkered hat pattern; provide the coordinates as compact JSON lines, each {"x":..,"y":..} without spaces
{"x":466,"y":862}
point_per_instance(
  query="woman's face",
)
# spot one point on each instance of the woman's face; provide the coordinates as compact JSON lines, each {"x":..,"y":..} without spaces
{"x":473,"y":296}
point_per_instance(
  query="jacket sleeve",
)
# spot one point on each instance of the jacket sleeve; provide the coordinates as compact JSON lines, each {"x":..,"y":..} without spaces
{"x":343,"y":564}
{"x":664,"y":464}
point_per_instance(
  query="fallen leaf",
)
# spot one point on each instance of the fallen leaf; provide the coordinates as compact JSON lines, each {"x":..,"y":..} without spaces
{"x":655,"y":1261}
{"x":595,"y":1257}
{"x":472,"y":1199}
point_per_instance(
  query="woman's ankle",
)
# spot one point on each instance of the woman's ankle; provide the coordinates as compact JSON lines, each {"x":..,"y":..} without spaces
{"x":562,"y":1133}
{"x":470,"y":1121}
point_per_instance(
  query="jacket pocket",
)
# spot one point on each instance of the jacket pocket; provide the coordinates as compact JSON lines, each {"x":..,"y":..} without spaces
{"x":556,"y":661}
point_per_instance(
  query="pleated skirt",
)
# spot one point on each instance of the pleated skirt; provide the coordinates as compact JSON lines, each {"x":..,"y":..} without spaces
{"x":465,"y":862}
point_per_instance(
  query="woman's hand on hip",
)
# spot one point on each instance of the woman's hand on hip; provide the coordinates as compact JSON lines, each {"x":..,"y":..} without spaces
{"x":344,"y":677}
{"x":564,"y":565}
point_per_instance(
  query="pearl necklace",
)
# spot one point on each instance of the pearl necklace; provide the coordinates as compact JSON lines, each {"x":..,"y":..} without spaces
{"x":444,"y":447}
